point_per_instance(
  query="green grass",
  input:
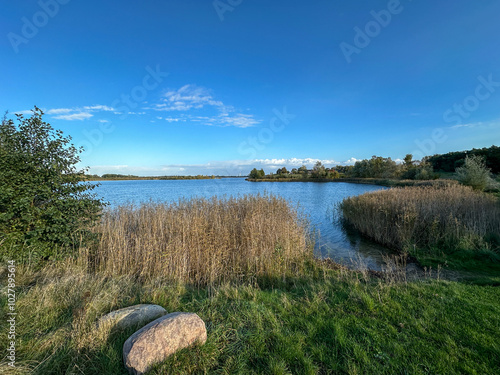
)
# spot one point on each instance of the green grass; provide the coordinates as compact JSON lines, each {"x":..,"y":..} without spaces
{"x":480,"y":267}
{"x":326,"y":321}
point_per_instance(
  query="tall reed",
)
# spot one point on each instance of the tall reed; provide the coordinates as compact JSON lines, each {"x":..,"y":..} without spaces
{"x":425,"y":216}
{"x":202,"y":241}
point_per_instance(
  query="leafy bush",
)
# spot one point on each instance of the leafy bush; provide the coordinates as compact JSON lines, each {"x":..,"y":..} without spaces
{"x":44,"y":206}
{"x":255,"y":174}
{"x":319,"y":170}
{"x":474,"y":173}
{"x":376,"y":167}
{"x":423,"y":171}
{"x":333,"y":174}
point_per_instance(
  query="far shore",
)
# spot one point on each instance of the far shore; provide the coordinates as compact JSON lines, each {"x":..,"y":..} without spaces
{"x":357,"y":180}
{"x":156,"y":178}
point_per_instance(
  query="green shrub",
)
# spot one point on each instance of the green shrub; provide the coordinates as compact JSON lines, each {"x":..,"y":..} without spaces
{"x":474,"y":173}
{"x":44,"y":206}
{"x":424,"y":172}
{"x":256,"y":174}
{"x":376,"y":167}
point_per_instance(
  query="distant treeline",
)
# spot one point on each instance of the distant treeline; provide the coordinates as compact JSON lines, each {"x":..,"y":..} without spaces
{"x":452,"y":160}
{"x":375,"y":168}
{"x":114,"y":176}
{"x":379,"y":167}
{"x":319,"y":172}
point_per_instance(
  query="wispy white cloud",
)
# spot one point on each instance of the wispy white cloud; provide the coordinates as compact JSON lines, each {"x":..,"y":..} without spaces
{"x":238,"y":120}
{"x":87,"y":108}
{"x":172,"y":119}
{"x":78,"y":113}
{"x":75,"y":116}
{"x":186,"y":98}
{"x":190,"y":103}
{"x":72,"y":114}
{"x":192,"y":97}
{"x":58,"y":111}
{"x":99,"y":108}
{"x":470,"y":125}
{"x":24,"y":112}
{"x":478,"y":124}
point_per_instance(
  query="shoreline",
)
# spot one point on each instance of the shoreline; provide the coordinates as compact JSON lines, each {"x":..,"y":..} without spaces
{"x":354,"y":180}
{"x":159,"y":178}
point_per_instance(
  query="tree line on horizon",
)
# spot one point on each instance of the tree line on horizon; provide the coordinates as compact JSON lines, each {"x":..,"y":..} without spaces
{"x":376,"y":167}
{"x":428,"y":168}
{"x":116,"y":176}
{"x":319,"y":171}
{"x":452,"y":160}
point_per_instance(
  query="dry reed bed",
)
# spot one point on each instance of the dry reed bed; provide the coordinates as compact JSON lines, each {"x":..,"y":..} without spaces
{"x":425,"y":216}
{"x":203,"y":241}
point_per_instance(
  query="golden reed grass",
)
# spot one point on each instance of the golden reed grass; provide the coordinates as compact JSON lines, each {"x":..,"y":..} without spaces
{"x":425,"y":216}
{"x":202,"y":241}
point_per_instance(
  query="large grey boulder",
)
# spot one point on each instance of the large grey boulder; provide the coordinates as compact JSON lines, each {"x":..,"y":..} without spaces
{"x":161,"y":338}
{"x":132,"y":316}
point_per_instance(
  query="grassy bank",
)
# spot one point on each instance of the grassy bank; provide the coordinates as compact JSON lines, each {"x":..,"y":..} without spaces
{"x":451,"y":225}
{"x":322,"y":321}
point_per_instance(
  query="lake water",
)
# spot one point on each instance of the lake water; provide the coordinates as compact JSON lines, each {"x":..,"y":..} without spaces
{"x":316,"y":200}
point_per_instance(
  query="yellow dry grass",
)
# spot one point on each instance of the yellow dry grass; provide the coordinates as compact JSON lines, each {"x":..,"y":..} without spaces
{"x":424,"y":216}
{"x":202,"y":241}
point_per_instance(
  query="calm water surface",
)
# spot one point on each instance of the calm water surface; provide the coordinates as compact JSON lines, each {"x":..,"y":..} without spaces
{"x":316,"y":200}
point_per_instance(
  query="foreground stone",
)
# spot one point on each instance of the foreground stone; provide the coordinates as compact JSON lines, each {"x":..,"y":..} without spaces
{"x":132,"y":316}
{"x":161,"y":338}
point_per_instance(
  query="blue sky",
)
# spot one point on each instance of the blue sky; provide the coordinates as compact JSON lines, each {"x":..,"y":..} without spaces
{"x":220,"y":87}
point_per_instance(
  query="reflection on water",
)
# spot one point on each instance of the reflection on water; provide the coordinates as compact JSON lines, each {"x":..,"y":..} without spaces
{"x":317,"y":201}
{"x":352,"y":249}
